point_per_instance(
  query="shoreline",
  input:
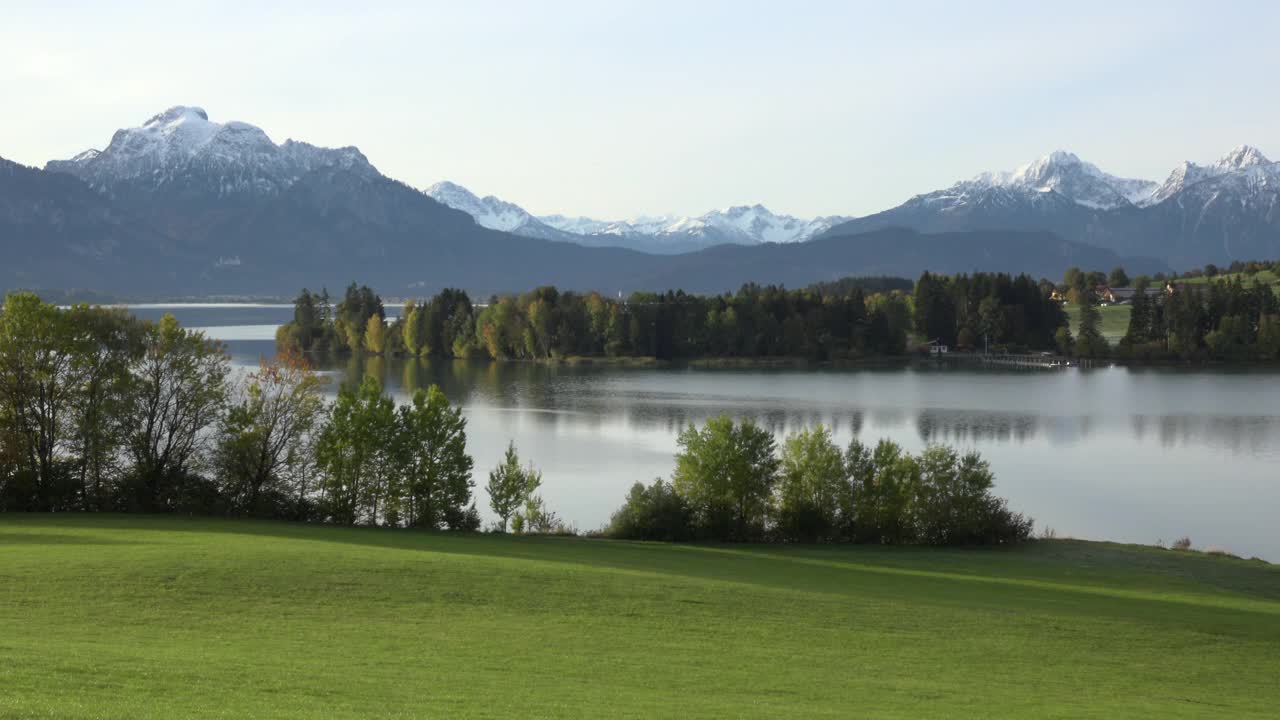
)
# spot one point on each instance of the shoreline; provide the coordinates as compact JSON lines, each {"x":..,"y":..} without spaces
{"x":803,"y":363}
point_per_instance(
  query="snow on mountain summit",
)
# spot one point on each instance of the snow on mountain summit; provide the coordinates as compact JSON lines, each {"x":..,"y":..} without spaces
{"x":759,"y":224}
{"x":1065,"y":173}
{"x":739,"y":224}
{"x":181,"y":143}
{"x":488,"y":212}
{"x":492,"y":212}
{"x":1242,"y":157}
{"x":1244,"y":164}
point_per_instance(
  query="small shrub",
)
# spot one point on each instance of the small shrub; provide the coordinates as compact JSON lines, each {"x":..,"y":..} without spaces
{"x":1002,"y":526}
{"x":468,"y":520}
{"x":655,"y":512}
{"x":1182,"y":543}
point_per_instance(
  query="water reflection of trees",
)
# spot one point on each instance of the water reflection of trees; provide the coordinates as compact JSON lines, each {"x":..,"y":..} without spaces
{"x":1235,"y":434}
{"x":1252,"y":435}
{"x":958,"y":427}
{"x":594,"y":397}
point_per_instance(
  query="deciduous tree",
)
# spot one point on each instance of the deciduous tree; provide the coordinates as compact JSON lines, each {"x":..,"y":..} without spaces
{"x":511,"y":485}
{"x":180,"y":391}
{"x":726,"y":472}
{"x":263,"y":437}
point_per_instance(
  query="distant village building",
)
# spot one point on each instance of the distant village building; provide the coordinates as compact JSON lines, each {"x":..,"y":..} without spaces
{"x":1121,"y":296}
{"x":936,"y":347}
{"x":1107,"y":295}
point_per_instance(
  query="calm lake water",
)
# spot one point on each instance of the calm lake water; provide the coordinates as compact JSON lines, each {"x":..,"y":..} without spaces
{"x":1126,"y":454}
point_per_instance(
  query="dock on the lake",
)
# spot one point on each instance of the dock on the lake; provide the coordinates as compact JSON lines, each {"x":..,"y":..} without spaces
{"x":1027,"y":360}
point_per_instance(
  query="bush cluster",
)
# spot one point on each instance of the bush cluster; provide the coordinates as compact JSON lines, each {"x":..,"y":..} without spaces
{"x":731,"y":484}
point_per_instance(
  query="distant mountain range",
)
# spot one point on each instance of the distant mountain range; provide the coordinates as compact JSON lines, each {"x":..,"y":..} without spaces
{"x":1228,"y":210}
{"x":666,"y":234}
{"x":1199,"y":214}
{"x":185,"y":205}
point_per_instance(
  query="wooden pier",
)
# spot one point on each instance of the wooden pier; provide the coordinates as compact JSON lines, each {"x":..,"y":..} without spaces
{"x":1029,"y":361}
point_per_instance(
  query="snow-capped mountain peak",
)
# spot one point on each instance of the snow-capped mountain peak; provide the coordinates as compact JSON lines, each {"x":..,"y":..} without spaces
{"x":488,"y":211}
{"x":737,"y":224}
{"x":1241,"y":157}
{"x":183,"y":144}
{"x":757,"y":223}
{"x":1244,"y":161}
{"x":177,"y":114}
{"x":1065,"y":173}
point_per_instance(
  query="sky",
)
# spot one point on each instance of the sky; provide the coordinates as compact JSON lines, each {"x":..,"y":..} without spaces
{"x":616,"y":109}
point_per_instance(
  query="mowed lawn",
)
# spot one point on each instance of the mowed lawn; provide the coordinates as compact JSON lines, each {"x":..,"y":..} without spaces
{"x":148,"y":617}
{"x":1114,"y":324}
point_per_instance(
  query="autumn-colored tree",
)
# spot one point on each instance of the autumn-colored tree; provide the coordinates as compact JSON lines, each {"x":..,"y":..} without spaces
{"x":375,"y":335}
{"x":263,"y":451}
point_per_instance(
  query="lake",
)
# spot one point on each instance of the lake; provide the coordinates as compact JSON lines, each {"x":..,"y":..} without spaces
{"x":1135,"y":455}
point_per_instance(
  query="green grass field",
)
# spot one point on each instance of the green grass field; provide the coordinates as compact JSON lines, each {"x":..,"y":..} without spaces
{"x":1266,"y":277}
{"x":1115,"y":320}
{"x":145,"y":617}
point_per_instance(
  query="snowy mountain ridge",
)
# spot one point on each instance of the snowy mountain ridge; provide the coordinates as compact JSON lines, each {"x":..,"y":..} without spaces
{"x":740,"y":225}
{"x":1244,"y":162}
{"x":1061,"y":173}
{"x":492,"y":212}
{"x":1227,"y":208}
{"x":1065,"y":173}
{"x":181,"y":143}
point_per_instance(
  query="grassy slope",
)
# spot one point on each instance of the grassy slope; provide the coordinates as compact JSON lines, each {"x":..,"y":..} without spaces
{"x":1115,"y":320}
{"x":1266,"y":277}
{"x":157,"y":617}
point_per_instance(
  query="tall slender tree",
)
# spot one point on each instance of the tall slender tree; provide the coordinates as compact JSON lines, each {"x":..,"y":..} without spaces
{"x":181,"y":390}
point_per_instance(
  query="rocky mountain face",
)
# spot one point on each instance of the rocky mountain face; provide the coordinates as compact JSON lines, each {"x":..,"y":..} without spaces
{"x":1228,"y":210}
{"x":55,"y":231}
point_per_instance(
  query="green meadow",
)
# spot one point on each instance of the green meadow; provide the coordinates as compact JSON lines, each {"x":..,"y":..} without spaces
{"x":161,"y":617}
{"x":1266,"y":277}
{"x":1114,"y":325}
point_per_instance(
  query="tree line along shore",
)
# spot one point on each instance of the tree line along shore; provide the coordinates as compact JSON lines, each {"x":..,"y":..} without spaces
{"x":101,"y":411}
{"x":1205,"y":315}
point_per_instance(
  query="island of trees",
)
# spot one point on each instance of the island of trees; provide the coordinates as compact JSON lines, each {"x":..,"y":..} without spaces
{"x":1204,"y":315}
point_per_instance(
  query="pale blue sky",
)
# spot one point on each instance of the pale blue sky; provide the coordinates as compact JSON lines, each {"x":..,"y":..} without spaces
{"x":619,"y":108}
